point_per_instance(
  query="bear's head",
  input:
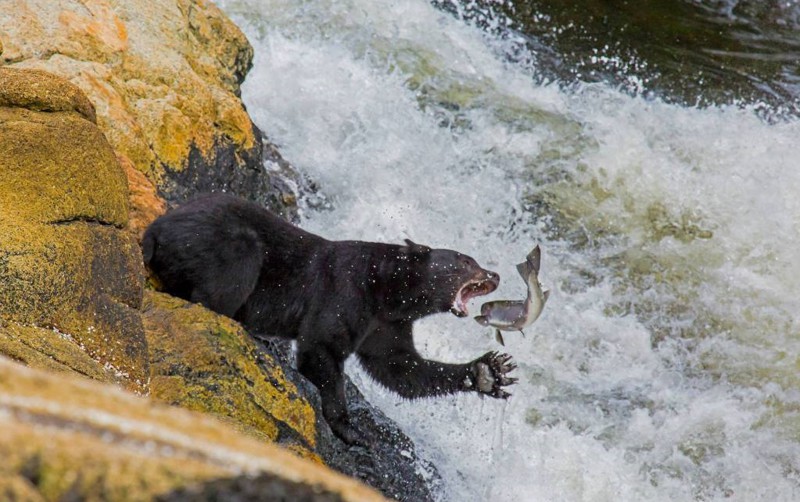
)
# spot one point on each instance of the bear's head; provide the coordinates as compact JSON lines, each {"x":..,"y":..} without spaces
{"x":424,"y":281}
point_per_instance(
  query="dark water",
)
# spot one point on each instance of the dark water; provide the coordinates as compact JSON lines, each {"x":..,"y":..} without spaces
{"x":692,"y":52}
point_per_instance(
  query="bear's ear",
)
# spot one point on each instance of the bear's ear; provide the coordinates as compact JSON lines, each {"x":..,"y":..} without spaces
{"x":413,"y":249}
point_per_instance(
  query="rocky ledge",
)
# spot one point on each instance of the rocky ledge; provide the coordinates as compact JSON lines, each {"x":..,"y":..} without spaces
{"x":70,"y":438}
{"x":109,"y":113}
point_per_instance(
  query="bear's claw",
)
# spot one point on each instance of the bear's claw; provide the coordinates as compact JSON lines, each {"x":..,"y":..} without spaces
{"x":490,"y":374}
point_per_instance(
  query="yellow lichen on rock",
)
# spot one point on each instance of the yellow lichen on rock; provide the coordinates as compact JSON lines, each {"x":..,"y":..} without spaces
{"x":163,"y":74}
{"x":58,"y":167}
{"x":66,"y":438}
{"x":65,"y":263}
{"x":145,"y":204}
{"x":206,"y":362}
{"x":80,"y":466}
{"x":50,"y":349}
{"x":42,"y":91}
{"x":18,"y":488}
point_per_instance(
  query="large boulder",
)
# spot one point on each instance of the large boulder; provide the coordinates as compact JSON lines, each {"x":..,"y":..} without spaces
{"x":66,"y":265}
{"x":164,"y":77}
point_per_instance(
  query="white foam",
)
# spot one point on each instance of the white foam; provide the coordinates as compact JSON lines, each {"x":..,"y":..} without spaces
{"x":663,"y":365}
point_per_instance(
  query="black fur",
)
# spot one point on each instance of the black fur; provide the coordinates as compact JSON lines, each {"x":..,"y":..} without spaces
{"x":333,"y":297}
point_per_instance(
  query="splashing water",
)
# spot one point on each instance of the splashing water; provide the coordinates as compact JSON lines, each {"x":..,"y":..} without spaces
{"x":665,"y":364}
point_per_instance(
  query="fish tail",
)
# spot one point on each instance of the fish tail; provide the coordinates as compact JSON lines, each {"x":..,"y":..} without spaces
{"x":531,"y":264}
{"x":534,"y":259}
{"x":524,"y":271}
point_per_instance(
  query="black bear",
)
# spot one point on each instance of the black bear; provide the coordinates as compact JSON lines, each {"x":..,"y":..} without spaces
{"x":334,"y":297}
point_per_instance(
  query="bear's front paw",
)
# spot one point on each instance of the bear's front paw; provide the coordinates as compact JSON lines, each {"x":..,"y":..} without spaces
{"x":490,"y":374}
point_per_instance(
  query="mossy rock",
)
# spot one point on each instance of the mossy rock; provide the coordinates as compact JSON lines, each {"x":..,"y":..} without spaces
{"x":206,"y":362}
{"x":50,"y":349}
{"x":68,"y":438}
{"x":42,"y":91}
{"x":71,"y":466}
{"x":18,"y":489}
{"x":164,"y":74}
{"x":65,"y":261}
{"x":58,"y":167}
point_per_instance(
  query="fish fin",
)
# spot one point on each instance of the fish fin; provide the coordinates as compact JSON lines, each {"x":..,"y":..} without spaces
{"x":482,"y":320}
{"x":534,"y":258}
{"x":499,"y":337}
{"x":523,"y":333}
{"x":545,"y":296}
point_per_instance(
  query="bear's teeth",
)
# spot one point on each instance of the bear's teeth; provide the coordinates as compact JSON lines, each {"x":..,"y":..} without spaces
{"x":459,"y":307}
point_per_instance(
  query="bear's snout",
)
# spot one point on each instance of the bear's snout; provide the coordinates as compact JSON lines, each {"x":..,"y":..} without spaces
{"x":492,"y":278}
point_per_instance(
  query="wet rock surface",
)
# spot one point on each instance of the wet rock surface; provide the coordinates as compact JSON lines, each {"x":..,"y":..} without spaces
{"x":206,"y":362}
{"x":259,"y":174}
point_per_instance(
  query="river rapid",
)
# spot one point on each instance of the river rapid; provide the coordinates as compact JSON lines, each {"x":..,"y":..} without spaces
{"x":665,"y":364}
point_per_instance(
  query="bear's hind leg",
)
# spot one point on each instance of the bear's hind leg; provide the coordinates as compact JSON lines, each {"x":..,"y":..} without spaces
{"x":326,"y":372}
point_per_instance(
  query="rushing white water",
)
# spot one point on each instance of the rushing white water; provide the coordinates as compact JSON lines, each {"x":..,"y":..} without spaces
{"x":664,"y":366}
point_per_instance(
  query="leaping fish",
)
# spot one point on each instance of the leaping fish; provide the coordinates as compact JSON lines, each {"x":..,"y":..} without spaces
{"x":513,"y":315}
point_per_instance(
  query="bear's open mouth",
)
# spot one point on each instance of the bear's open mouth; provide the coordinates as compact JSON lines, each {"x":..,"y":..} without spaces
{"x":470,"y":290}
